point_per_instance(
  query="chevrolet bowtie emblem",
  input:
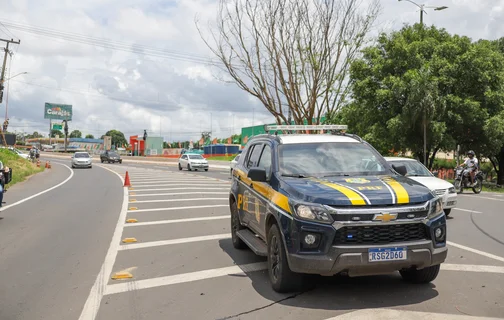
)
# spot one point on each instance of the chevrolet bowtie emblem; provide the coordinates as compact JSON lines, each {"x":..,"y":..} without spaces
{"x":385,"y":217}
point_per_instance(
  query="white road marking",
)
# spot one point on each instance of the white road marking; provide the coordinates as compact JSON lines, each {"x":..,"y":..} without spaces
{"x":151,"y":244}
{"x":174,"y":181}
{"x":183,"y":278}
{"x":181,"y":208}
{"x":179,"y":200}
{"x":150,"y":223}
{"x":481,"y":253}
{"x":481,"y":197}
{"x":182,"y":193}
{"x":471,"y":268}
{"x":136,"y":187}
{"x":93,"y":301}
{"x":42,"y":192}
{"x":472,"y":211}
{"x":390,"y":314}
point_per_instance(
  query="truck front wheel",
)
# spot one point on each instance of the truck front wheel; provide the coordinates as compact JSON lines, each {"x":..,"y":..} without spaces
{"x":281,"y":277}
{"x":424,"y":275}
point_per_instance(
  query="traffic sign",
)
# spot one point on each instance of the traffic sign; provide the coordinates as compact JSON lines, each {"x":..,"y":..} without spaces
{"x":57,"y":127}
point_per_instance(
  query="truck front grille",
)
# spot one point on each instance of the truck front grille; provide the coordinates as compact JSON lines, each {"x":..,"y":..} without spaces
{"x":377,"y":234}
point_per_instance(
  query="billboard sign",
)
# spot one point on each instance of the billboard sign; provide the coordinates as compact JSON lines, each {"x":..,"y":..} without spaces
{"x":107,"y":142}
{"x":55,"y":111}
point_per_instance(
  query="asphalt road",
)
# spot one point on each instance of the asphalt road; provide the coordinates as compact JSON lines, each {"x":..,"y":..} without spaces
{"x":183,"y":266}
{"x":52,"y":246}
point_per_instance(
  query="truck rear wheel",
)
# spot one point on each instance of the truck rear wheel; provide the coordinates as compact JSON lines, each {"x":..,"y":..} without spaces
{"x":281,"y":276}
{"x":425,"y":275}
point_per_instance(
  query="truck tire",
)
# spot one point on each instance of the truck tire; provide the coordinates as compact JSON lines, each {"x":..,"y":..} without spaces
{"x":281,"y":277}
{"x":235,"y":227}
{"x":425,"y":275}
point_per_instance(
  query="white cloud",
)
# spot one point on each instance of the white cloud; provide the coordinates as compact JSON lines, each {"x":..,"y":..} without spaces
{"x":173,"y":90}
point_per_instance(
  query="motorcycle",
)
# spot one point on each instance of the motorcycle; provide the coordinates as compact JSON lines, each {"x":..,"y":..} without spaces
{"x":463,"y":180}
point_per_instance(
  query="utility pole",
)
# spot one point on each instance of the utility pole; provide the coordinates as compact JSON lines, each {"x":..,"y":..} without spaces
{"x":2,"y":75}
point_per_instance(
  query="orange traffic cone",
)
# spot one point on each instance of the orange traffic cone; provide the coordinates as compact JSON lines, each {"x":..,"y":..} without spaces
{"x":127,"y":182}
{"x":46,"y":165}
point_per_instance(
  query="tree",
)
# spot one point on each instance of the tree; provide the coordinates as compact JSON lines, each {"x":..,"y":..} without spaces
{"x":89,"y":136}
{"x":417,"y":71}
{"x":75,"y":134}
{"x":118,"y":138}
{"x":55,"y":133}
{"x":292,"y":55}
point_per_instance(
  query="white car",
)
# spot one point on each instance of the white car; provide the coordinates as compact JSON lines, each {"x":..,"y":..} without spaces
{"x":233,"y":163}
{"x":418,"y":172}
{"x":82,"y":160}
{"x":21,"y":154}
{"x":192,"y":162}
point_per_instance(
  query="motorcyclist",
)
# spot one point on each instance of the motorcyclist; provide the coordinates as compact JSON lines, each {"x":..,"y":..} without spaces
{"x":472,"y":165}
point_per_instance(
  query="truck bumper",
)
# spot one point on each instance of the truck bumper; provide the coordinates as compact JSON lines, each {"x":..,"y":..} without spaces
{"x":354,"y":260}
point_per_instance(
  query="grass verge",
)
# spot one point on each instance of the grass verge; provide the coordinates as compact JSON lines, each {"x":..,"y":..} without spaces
{"x":21,"y":168}
{"x":222,"y":158}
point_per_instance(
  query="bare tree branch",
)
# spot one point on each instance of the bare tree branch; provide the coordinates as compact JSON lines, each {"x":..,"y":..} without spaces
{"x":292,"y":55}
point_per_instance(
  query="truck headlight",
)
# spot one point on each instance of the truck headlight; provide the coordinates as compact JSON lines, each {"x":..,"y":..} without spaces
{"x":452,"y":190}
{"x":313,"y":212}
{"x":435,"y":208}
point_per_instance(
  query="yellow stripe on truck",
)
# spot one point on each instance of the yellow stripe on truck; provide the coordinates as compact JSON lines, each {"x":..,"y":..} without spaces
{"x":401,"y":193}
{"x":277,"y":198}
{"x":353,"y":196}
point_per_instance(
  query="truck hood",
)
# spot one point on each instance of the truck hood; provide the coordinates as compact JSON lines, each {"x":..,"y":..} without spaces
{"x":357,"y":191}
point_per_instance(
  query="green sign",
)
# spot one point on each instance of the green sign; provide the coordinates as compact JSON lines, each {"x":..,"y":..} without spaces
{"x":57,"y":127}
{"x":58,"y":111}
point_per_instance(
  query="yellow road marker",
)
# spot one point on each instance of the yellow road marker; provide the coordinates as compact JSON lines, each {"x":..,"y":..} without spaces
{"x":132,"y":200}
{"x":123,"y":274}
{"x":131,"y":220}
{"x":129,"y":240}
{"x":132,"y":193}
{"x":133,"y":208}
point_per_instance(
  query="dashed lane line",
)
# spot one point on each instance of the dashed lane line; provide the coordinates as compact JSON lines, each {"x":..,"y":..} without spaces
{"x":180,"y":200}
{"x":466,"y":210}
{"x":181,"y":208}
{"x":150,"y":223}
{"x":182,"y":193}
{"x":391,"y":314}
{"x":183,"y":278}
{"x":481,"y":253}
{"x":151,"y":244}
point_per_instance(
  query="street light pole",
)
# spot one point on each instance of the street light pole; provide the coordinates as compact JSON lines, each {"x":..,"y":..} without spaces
{"x":422,"y":10}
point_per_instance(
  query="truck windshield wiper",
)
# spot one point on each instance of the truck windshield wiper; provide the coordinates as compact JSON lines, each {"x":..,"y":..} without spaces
{"x":293,"y":175}
{"x":336,"y":175}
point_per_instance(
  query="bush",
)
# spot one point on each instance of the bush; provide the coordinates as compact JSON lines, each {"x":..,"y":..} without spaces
{"x":21,"y":168}
{"x":443,"y":164}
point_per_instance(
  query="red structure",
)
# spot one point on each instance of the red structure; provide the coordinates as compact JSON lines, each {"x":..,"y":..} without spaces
{"x":138,"y":149}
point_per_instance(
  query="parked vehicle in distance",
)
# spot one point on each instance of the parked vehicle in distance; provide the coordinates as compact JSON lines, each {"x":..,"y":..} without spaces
{"x":110,"y":157}
{"x":82,"y":160}
{"x":192,"y":162}
{"x":418,"y":172}
{"x":233,"y":163}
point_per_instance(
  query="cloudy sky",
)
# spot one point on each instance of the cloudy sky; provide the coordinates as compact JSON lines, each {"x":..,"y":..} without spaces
{"x":172,"y":91}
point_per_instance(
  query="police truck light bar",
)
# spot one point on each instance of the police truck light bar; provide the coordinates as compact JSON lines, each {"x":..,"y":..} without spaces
{"x":306,"y":127}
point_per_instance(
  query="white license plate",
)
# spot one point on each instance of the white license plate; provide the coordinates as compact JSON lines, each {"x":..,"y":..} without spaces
{"x":387,"y":254}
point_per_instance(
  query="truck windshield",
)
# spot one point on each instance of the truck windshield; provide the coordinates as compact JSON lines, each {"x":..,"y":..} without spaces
{"x":330,"y":158}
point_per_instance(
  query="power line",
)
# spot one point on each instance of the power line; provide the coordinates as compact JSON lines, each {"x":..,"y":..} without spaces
{"x":113,"y":45}
{"x":8,"y":31}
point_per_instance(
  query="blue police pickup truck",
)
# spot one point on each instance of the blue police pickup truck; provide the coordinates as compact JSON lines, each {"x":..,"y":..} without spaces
{"x":330,"y":204}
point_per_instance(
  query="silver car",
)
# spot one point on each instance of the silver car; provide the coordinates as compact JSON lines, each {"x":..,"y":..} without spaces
{"x":192,"y":162}
{"x":82,"y":160}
